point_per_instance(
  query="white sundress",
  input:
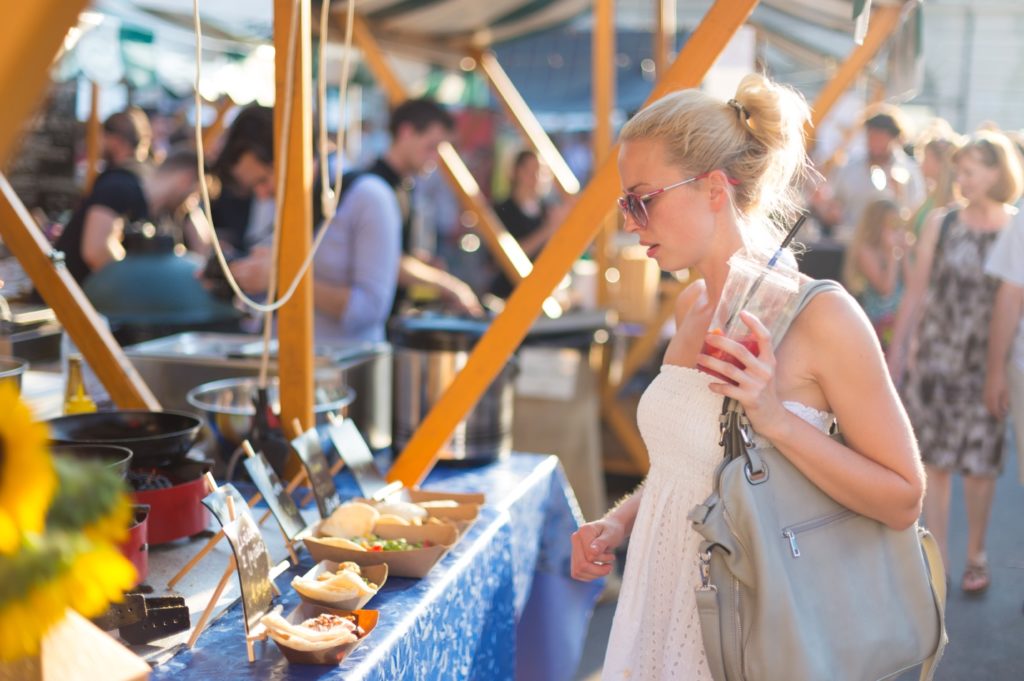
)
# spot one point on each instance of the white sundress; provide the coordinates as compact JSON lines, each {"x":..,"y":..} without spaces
{"x":656,"y":631}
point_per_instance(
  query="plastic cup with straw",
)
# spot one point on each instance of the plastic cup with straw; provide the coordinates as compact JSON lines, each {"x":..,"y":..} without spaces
{"x":764,"y":290}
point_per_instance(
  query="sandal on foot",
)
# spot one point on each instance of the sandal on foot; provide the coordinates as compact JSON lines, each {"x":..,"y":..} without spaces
{"x":976,"y":578}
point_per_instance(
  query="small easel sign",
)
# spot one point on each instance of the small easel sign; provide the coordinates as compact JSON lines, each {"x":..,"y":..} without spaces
{"x":277,"y":496}
{"x":355,"y":454}
{"x":250,"y":559}
{"x":307,"y":446}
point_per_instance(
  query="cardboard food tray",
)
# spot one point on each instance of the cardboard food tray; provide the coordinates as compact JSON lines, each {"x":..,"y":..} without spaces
{"x":415,"y":563}
{"x":418,"y":495}
{"x":365,"y":619}
{"x":462,"y":516}
{"x":378,"y":574}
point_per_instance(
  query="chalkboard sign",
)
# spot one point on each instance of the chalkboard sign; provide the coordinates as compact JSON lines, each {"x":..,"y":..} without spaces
{"x":42,"y":171}
{"x":251,"y":556}
{"x":278,"y":499}
{"x":308,"y":448}
{"x":353,"y":450}
{"x":217,"y":502}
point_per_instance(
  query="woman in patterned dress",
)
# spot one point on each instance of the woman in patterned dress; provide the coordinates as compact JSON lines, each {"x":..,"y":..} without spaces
{"x":949,"y":306}
{"x":701,"y":177}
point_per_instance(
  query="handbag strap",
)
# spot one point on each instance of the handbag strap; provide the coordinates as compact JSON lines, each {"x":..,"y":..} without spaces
{"x":937,"y":576}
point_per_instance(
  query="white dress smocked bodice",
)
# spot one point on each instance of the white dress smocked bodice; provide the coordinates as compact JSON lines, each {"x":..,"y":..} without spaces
{"x":656,"y":631}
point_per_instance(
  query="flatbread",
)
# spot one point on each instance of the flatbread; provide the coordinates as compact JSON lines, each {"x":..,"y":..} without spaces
{"x":389,"y":519}
{"x":341,"y":543}
{"x":341,"y":586}
{"x":403,"y":509}
{"x":354,"y":519}
{"x":306,"y":638}
{"x":440,"y":503}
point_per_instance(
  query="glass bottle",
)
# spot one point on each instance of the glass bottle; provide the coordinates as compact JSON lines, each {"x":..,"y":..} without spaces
{"x":76,"y":399}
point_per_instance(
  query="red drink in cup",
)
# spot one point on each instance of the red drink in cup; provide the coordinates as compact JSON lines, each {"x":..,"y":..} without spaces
{"x":749,"y":342}
{"x":766,"y":292}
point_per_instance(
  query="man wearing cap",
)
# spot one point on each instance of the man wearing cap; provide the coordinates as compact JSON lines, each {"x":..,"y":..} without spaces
{"x":882,"y":171}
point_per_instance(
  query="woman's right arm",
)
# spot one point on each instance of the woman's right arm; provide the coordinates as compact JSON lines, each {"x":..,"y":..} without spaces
{"x":912,"y":304}
{"x":594,"y":544}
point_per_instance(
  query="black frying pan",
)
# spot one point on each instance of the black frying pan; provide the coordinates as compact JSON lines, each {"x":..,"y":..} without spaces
{"x":156,"y":438}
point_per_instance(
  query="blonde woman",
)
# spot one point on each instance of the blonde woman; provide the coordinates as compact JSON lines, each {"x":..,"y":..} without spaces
{"x":939,"y":171}
{"x":875,"y":269}
{"x":948,"y":306}
{"x":701,"y":176}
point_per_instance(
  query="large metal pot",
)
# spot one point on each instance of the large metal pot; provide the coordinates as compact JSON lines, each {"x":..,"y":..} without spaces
{"x":429,"y":351}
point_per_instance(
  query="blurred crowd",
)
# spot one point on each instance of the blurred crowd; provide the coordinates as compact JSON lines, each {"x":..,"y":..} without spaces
{"x":932,"y":246}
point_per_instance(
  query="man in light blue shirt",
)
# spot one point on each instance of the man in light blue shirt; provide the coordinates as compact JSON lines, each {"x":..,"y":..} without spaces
{"x":355,"y":272}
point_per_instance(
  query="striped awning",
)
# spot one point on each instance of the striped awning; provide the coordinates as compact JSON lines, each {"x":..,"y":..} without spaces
{"x":454,"y":22}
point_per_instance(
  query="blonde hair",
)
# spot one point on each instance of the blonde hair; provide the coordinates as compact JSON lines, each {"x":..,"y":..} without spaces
{"x":868,"y":234}
{"x":756,"y":139}
{"x":995,"y":150}
{"x":944,"y":149}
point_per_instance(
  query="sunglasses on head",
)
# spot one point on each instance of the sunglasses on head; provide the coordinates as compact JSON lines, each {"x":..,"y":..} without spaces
{"x":635,"y":205}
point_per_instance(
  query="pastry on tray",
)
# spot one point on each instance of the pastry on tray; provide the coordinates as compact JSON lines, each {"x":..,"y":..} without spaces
{"x":336,"y":587}
{"x":324,"y":631}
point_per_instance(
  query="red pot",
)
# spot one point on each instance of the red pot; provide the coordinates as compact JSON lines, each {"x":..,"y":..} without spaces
{"x":175,"y":512}
{"x":135,"y":548}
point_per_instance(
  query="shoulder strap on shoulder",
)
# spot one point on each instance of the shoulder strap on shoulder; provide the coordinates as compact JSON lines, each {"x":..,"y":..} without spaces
{"x":806,"y":293}
{"x":804,"y":296}
{"x":947,"y":224}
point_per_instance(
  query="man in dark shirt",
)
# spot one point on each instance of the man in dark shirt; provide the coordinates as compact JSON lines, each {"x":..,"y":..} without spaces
{"x":119,"y":197}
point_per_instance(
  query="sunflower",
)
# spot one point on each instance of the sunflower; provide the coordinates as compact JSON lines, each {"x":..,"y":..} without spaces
{"x":27,"y":478}
{"x":46,"y":577}
{"x":91,"y":498}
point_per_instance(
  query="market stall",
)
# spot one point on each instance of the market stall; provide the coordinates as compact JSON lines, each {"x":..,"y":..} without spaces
{"x":476,"y":586}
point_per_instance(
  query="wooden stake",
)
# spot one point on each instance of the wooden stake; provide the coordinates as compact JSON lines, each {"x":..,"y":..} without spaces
{"x":212,"y":602}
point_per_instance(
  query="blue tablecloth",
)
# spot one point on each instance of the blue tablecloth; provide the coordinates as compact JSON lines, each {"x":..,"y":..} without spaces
{"x":500,"y":605}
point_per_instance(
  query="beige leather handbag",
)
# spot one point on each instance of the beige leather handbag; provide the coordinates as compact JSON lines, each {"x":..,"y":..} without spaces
{"x":796,"y":587}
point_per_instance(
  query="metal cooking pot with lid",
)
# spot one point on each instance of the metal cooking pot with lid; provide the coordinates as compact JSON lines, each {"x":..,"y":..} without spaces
{"x":429,"y":350}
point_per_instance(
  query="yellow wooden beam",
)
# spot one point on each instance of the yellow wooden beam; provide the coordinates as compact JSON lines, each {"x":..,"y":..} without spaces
{"x":295,"y":319}
{"x":32,"y":34}
{"x":215,"y":129}
{"x":524,"y":119}
{"x":884,"y":21}
{"x":61,"y":292}
{"x":491,"y":353}
{"x":93,"y":138}
{"x":664,"y":34}
{"x":603,"y":79}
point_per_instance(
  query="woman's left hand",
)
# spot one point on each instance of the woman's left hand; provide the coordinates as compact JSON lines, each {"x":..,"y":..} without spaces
{"x":755,"y":383}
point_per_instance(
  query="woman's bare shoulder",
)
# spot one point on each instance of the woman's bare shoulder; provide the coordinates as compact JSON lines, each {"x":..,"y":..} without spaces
{"x":687,"y":298}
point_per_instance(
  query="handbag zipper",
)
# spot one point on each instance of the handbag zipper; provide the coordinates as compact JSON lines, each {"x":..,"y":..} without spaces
{"x":792,"y":531}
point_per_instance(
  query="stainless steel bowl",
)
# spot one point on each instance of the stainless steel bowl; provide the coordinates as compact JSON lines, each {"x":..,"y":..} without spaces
{"x":228,"y":405}
{"x":12,"y":369}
